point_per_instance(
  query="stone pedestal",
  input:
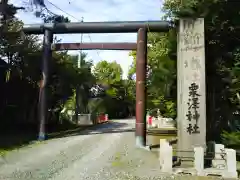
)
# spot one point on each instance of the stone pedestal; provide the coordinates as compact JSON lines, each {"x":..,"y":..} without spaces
{"x":219,"y":161}
{"x":191,"y":113}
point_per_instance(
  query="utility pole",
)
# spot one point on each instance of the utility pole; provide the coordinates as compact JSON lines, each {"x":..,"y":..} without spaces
{"x":77,"y":88}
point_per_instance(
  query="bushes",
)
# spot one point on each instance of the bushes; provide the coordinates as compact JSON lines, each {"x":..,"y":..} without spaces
{"x":231,"y":139}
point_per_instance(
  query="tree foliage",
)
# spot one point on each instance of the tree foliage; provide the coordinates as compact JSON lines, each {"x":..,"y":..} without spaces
{"x":108,"y":73}
{"x":161,"y":73}
{"x":222,"y":62}
{"x":21,"y":57}
{"x":117,"y":93}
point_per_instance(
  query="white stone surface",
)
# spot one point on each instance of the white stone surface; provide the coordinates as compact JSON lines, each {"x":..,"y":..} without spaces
{"x":191,"y":69}
{"x":84,"y":119}
{"x":199,"y":159}
{"x":166,"y":122}
{"x":154,"y":123}
{"x":219,"y":160}
{"x":165,"y":156}
{"x":162,"y":123}
{"x":231,"y":162}
{"x":163,"y":142}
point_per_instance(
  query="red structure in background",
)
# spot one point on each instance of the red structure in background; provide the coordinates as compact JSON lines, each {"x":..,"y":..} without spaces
{"x":102,"y":118}
{"x":150,"y":118}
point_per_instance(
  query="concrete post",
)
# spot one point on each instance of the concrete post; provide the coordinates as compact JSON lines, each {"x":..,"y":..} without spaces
{"x":231,"y":163}
{"x":165,"y":156}
{"x":199,"y":159}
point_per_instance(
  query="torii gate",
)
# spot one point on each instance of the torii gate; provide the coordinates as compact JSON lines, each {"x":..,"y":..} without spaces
{"x":141,"y":27}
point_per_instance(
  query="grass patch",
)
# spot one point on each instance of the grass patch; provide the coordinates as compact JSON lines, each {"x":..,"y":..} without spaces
{"x":117,"y":162}
{"x":2,"y":152}
{"x":11,"y":143}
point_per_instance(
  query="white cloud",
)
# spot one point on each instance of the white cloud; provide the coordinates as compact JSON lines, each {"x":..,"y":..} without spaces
{"x":104,"y":10}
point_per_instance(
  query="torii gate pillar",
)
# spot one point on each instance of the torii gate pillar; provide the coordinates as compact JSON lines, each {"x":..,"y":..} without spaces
{"x":141,"y":64}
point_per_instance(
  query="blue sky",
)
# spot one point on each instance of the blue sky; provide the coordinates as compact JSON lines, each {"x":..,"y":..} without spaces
{"x":100,"y":10}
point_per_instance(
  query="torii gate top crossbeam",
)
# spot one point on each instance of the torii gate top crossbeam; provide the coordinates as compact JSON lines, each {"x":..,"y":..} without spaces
{"x":98,"y":27}
{"x":91,"y":46}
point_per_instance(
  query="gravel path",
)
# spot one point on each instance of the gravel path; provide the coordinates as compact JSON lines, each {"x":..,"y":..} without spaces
{"x":106,"y":153}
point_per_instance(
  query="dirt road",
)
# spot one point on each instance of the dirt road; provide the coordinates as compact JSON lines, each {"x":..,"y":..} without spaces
{"x":106,"y":152}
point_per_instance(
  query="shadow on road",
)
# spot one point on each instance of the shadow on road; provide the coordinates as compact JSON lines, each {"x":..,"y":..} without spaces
{"x":96,"y":133}
{"x":20,"y":135}
{"x":106,"y":128}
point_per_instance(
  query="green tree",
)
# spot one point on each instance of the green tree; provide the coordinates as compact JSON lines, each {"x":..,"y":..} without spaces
{"x":107,"y":73}
{"x":117,"y":99}
{"x":161,"y":73}
{"x":85,"y":80}
{"x":23,"y":54}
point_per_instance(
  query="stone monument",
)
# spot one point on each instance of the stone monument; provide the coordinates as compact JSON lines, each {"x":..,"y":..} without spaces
{"x":191,"y":106}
